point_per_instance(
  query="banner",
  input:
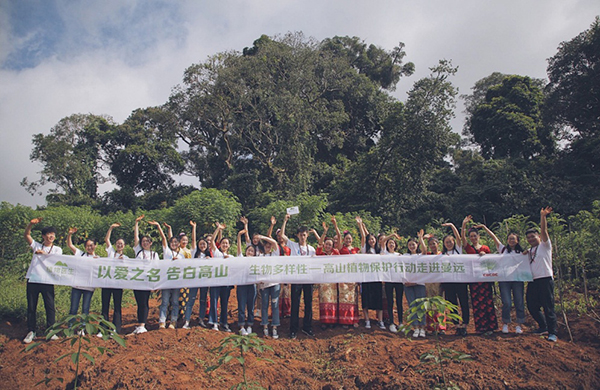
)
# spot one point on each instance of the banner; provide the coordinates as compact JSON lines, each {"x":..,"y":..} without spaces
{"x":141,"y":274}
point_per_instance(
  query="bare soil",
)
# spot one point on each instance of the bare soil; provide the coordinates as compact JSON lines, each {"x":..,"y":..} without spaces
{"x":337,"y":358}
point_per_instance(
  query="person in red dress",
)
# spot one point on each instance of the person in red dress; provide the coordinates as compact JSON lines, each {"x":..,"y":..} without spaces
{"x":328,"y":292}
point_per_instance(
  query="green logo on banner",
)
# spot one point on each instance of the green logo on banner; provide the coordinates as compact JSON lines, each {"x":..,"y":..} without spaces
{"x":61,"y":264}
{"x":489,"y":265}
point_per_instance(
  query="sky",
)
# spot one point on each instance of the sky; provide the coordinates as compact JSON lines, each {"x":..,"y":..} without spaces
{"x":110,"y":57}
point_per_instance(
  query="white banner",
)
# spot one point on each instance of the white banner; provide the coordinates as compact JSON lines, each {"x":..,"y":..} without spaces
{"x":140,"y":274}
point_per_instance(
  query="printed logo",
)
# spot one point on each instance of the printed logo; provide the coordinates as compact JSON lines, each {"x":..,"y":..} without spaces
{"x":489,"y":266}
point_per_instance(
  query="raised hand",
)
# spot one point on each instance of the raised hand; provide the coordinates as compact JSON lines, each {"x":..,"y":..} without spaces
{"x":72,"y":230}
{"x":36,"y":221}
{"x":138,"y":219}
{"x":287,"y":217}
{"x":420,"y":233}
{"x":167,"y":225}
{"x":193,"y":223}
{"x":153,"y":223}
{"x":273,"y":220}
{"x":325,"y":227}
{"x":545,"y":211}
{"x":115,"y":225}
{"x":244,"y":220}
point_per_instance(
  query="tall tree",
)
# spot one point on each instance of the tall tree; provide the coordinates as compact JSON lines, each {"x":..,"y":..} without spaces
{"x":71,"y":159}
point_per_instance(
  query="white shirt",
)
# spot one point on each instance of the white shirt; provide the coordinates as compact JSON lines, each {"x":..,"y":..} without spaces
{"x":36,"y":246}
{"x":80,"y":253}
{"x":170,"y":254}
{"x":540,"y":259}
{"x":370,"y":252}
{"x":111,"y":252}
{"x":143,"y":254}
{"x":297,"y":250}
{"x":218,"y":254}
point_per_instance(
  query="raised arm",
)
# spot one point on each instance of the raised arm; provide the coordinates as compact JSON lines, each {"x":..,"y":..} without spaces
{"x":490,"y":233}
{"x":160,"y":231}
{"x":463,"y":230}
{"x":108,"y":234}
{"x":420,"y":235}
{"x":338,"y":234}
{"x":193,"y":244}
{"x":136,"y":231}
{"x":273,"y":222}
{"x":70,"y":241}
{"x":544,"y":223}
{"x":213,"y":243}
{"x":27,"y":233}
{"x":454,"y":231}
{"x":319,"y":241}
{"x":361,"y":229}
{"x":283,"y":225}
{"x":239,"y":241}
{"x":271,"y":240}
{"x":169,"y":230}
{"x":244,"y":220}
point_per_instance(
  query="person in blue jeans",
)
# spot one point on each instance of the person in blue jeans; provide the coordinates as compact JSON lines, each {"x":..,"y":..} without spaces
{"x":510,"y":291}
{"x":414,"y":291}
{"x":202,"y":252}
{"x":246,"y":294}
{"x":219,"y":292}
{"x":81,"y":294}
{"x":269,"y":292}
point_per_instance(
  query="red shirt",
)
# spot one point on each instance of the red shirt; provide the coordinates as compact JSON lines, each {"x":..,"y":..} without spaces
{"x":321,"y":253}
{"x":349,"y":251}
{"x":286,"y":251}
{"x":470,"y":249}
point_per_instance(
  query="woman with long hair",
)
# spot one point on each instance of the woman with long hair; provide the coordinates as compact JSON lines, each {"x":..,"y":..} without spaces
{"x":219,"y":292}
{"x":143,"y":251}
{"x":415,"y":291}
{"x":328,"y":292}
{"x":202,"y":252}
{"x":456,"y":293}
{"x":391,"y":287}
{"x":115,"y":252}
{"x":372,"y":292}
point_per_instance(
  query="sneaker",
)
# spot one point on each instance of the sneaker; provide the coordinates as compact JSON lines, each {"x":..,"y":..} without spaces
{"x":552,"y":338}
{"x":462,"y":331}
{"x":518,"y":329}
{"x":216,"y":327}
{"x":266,"y":331}
{"x":393,"y":328}
{"x":540,"y":331}
{"x":99,"y":335}
{"x":81,"y":333}
{"x":54,"y":338}
{"x":202,"y":324}
{"x":226,"y":328}
{"x":140,"y":329}
{"x":275,"y":335}
{"x":505,"y":328}
{"x":422,"y":333}
{"x":171,"y":326}
{"x":161,"y":325}
{"x":29,"y":338}
{"x":293,"y":336}
{"x":243,"y":331}
{"x":381,"y":325}
{"x":249,"y":330}
{"x":186,"y":325}
{"x":416,"y":333}
{"x":368,"y":324}
{"x":308,"y":332}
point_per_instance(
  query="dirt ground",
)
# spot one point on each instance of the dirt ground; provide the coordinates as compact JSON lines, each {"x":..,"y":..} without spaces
{"x":337,"y":358}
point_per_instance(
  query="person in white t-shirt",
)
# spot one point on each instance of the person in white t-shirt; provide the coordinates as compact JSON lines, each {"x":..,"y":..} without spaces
{"x":269,"y":292}
{"x":46,"y":247}
{"x":219,"y":292}
{"x":301,"y":248}
{"x":171,"y":252}
{"x":83,"y":294}
{"x":115,"y":253}
{"x":246,"y":294}
{"x":540,"y":292}
{"x":456,"y":293}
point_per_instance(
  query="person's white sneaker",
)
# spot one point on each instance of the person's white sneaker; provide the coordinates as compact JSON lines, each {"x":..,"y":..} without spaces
{"x":266,"y":331}
{"x":99,"y":335}
{"x":140,"y":329}
{"x":275,"y":335}
{"x":216,"y":327}
{"x":29,"y":338}
{"x":518,"y":329}
{"x":381,"y":325}
{"x":162,"y":325}
{"x":171,"y":326}
{"x":422,"y":333}
{"x":368,"y":324}
{"x":81,"y":333}
{"x":393,"y":328}
{"x":505,"y":328}
{"x":54,"y":338}
{"x":416,"y":333}
{"x":186,"y":325}
{"x":243,"y":331}
{"x":249,"y":329}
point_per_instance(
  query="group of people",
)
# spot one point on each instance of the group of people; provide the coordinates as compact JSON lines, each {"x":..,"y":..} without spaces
{"x":338,"y":302}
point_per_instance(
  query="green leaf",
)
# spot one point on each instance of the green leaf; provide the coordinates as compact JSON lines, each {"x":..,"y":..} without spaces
{"x":75,"y":357}
{"x":241,"y":360}
{"x":61,"y":357}
{"x":88,"y":357}
{"x":31,"y":346}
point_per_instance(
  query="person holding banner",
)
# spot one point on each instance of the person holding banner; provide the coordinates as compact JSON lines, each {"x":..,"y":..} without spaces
{"x":171,"y":252}
{"x":372,"y":292}
{"x":415,"y":291}
{"x":46,"y":247}
{"x":246,"y":294}
{"x":349,"y":314}
{"x":143,"y":251}
{"x":285,"y":296}
{"x":184,"y":293}
{"x":456,"y":292}
{"x":269,"y":292}
{"x":482,"y":296}
{"x":301,"y":248}
{"x":432,"y":289}
{"x":391,"y":287}
{"x":508,"y":290}
{"x":540,"y":292}
{"x":328,"y":292}
{"x":219,"y":292}
{"x":115,"y":252}
{"x":83,"y":294}
{"x":202,"y":252}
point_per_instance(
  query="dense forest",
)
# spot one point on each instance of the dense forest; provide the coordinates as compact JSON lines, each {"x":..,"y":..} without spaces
{"x":294,"y":121}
